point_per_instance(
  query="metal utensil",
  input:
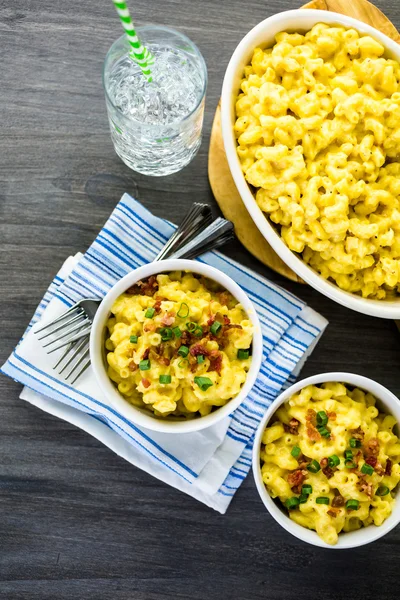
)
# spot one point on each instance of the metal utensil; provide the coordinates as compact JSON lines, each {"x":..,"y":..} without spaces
{"x":197,"y":219}
{"x":71,"y":329}
{"x":218,"y":233}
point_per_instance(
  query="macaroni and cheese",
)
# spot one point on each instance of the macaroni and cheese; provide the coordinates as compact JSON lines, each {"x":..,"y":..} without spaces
{"x":178,"y":345}
{"x":318,"y":130}
{"x":332,"y":459}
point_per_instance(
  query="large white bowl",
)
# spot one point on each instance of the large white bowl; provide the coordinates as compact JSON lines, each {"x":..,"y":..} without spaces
{"x":143,"y":417}
{"x":263,"y":35}
{"x":388,"y":403}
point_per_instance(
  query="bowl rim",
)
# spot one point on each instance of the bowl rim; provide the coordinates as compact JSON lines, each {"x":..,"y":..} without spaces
{"x":347,"y":540}
{"x":278,"y":22}
{"x":116,"y":400}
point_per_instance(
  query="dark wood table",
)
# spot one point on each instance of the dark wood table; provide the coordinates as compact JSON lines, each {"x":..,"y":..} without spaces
{"x":76,"y":521}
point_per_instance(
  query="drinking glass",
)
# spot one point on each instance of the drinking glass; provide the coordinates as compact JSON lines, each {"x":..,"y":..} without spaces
{"x":156,"y":127}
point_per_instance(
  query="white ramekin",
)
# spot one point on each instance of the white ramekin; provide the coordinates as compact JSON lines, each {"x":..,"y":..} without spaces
{"x":144,"y":418}
{"x":263,"y":35}
{"x":388,"y":403}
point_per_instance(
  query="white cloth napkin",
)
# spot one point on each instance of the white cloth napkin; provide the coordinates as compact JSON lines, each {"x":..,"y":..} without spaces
{"x":211,"y":464}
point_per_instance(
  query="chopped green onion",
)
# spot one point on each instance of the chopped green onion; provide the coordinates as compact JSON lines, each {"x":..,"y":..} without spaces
{"x":133,"y":339}
{"x":200,"y":358}
{"x":314,"y":466}
{"x":198,"y":332}
{"x":349,"y":463}
{"x":303,"y":498}
{"x":323,"y":431}
{"x":177,"y":332}
{"x":348,"y":454}
{"x":243,"y":354}
{"x":166,"y":334}
{"x":144,"y":365}
{"x":183,"y":311}
{"x":306,"y":489}
{"x":354,"y":443}
{"x":183,"y":351}
{"x":292,"y":503}
{"x":333,"y":461}
{"x":165,"y":379}
{"x":367,"y":469}
{"x":182,"y":363}
{"x":191,"y":326}
{"x":149,"y":314}
{"x":295,"y":451}
{"x":352,"y":504}
{"x":382,"y":490}
{"x":203,"y":382}
{"x":215,"y":327}
{"x":322,"y":417}
{"x":322,"y":500}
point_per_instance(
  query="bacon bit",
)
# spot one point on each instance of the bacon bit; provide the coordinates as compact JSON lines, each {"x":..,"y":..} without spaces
{"x":226,"y":326}
{"x":132,"y":366}
{"x":296,"y":478}
{"x":328,"y":472}
{"x":379,"y":469}
{"x":133,"y":290}
{"x":371,"y":460}
{"x":215,"y":362}
{"x":312,"y":433}
{"x":358,"y":433}
{"x":311,"y":416}
{"x":214,"y":353}
{"x":146,"y":383}
{"x":186,"y":338}
{"x":388,"y":468}
{"x":331,"y":415}
{"x":366,"y":488}
{"x":146,"y":354}
{"x":223,"y":319}
{"x":292,"y":427}
{"x":303,"y":462}
{"x":163,"y":360}
{"x":193,"y":363}
{"x":332,"y":513}
{"x":198,"y":349}
{"x":168,"y":318}
{"x":159,"y":350}
{"x":147,"y":287}
{"x":223,"y":298}
{"x":338,"y":501}
{"x":149,"y":327}
{"x":157,"y":305}
{"x":372,"y":446}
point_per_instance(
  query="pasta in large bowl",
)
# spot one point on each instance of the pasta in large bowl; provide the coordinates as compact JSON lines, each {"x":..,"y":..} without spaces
{"x":176,"y":346}
{"x":311,"y":122}
{"x":326,"y":460}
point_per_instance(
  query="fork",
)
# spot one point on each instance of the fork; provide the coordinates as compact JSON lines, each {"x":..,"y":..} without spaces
{"x":72,"y":328}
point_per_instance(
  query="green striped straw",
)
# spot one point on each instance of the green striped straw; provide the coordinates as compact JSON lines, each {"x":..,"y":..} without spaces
{"x":139,"y":54}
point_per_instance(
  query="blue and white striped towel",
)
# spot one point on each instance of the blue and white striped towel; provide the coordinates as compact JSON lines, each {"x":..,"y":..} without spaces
{"x":211,"y":464}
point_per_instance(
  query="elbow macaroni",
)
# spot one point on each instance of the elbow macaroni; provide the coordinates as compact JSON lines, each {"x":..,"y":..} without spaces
{"x":352,"y":413}
{"x":318,"y":130}
{"x":167,"y":387}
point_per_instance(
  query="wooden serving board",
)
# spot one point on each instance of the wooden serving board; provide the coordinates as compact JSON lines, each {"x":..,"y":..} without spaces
{"x":221,"y":180}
